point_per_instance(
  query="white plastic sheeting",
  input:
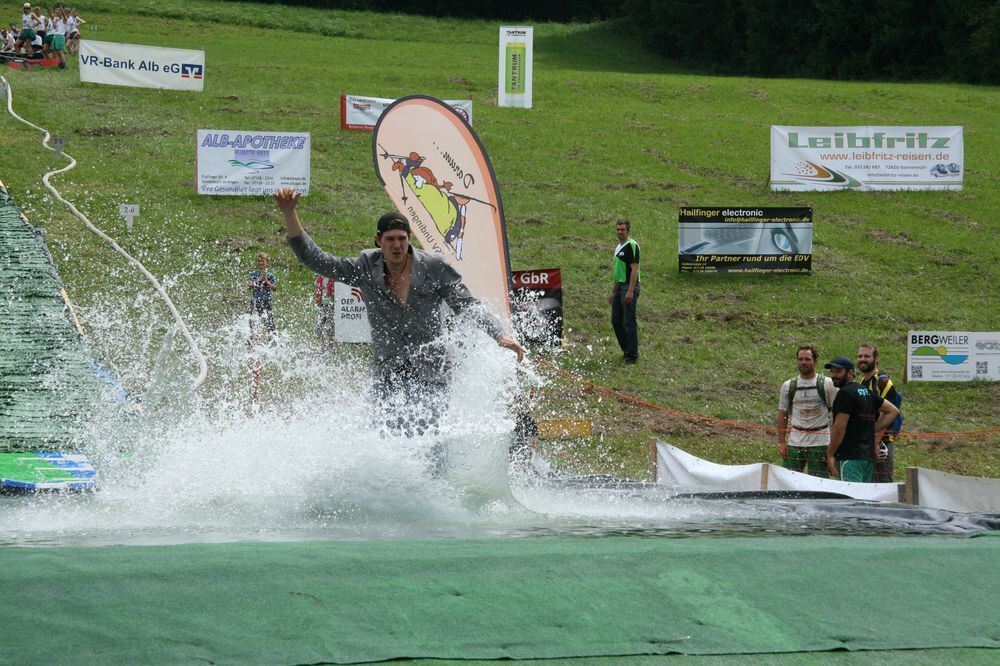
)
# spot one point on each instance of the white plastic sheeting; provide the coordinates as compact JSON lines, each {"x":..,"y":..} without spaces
{"x":675,"y":467}
{"x":955,"y":493}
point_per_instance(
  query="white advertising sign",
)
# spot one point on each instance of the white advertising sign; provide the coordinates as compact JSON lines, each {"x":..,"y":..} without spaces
{"x":952,"y":356}
{"x":351,"y":315}
{"x":362,"y":113}
{"x":516,"y":56}
{"x":238,"y":162}
{"x":141,"y":66}
{"x":867,"y":158}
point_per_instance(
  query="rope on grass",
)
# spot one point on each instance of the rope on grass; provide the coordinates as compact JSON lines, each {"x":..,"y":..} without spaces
{"x":699,"y":418}
{"x":195,"y":351}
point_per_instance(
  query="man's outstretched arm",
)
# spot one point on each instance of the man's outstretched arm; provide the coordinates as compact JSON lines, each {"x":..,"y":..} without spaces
{"x":340,"y":269}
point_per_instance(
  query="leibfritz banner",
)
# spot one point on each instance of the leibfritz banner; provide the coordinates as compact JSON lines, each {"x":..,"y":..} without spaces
{"x":438,"y":175}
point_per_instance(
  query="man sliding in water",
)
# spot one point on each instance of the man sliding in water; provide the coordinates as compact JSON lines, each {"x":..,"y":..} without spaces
{"x":403,"y":289}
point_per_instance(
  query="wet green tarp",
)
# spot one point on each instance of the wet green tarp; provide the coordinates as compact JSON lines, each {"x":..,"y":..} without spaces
{"x":326,"y":601}
{"x":46,"y":385}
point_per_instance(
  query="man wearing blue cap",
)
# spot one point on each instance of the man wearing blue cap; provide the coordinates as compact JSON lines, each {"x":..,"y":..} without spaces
{"x":858,"y":413}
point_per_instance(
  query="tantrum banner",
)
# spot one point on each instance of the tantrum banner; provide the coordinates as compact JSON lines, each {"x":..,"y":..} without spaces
{"x":141,"y":66}
{"x":362,"y":113}
{"x":515,"y":67}
{"x":867,"y":158}
{"x":240,"y":162}
{"x":436,"y":172}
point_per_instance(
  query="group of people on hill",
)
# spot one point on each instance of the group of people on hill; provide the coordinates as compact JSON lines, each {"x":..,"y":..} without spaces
{"x":841,"y":426}
{"x":43,"y":33}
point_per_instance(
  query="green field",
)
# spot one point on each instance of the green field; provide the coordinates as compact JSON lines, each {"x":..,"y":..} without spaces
{"x":615,"y":132}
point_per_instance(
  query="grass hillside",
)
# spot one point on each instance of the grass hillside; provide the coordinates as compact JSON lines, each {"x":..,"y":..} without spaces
{"x":615,"y":132}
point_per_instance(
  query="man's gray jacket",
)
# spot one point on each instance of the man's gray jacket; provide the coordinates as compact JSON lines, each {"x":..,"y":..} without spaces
{"x":403,"y":335}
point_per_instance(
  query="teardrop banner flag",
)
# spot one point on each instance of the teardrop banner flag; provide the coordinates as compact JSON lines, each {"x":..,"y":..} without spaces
{"x":437,"y":174}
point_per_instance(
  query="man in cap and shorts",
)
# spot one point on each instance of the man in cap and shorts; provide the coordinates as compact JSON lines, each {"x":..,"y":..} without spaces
{"x":403,"y":289}
{"x":858,"y":413}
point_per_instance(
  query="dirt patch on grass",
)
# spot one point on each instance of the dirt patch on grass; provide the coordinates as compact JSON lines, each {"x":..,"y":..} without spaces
{"x":895,"y":238}
{"x":122,"y":131}
{"x":531,"y":220}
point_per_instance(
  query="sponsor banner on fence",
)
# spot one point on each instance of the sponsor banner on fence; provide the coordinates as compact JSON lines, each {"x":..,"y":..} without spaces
{"x":744,"y":240}
{"x":141,"y":66}
{"x":362,"y":113}
{"x":952,"y":356}
{"x":536,"y":306}
{"x":238,"y":162}
{"x":867,"y":158}
{"x":516,"y":55}
{"x":351,"y":315}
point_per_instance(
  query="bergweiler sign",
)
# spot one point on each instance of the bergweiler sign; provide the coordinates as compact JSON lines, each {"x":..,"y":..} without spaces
{"x":867,"y":158}
{"x":744,"y":240}
{"x":952,"y":356}
{"x":141,"y":66}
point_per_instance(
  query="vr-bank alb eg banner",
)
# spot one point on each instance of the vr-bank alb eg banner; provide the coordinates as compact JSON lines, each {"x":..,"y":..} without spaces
{"x":362,"y":113}
{"x":239,"y":162}
{"x":515,"y":67}
{"x":141,"y":66}
{"x":867,"y":158}
{"x":744,"y":240}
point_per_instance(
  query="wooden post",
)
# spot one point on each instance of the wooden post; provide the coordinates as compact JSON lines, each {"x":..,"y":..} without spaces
{"x":764,"y":469}
{"x":652,"y":461}
{"x":912,"y":486}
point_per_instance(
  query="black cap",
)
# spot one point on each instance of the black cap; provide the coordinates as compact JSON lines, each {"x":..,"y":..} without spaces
{"x":840,"y":362}
{"x":392,"y":220}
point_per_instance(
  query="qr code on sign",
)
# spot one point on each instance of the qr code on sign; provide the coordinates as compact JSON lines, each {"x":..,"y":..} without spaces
{"x":982,"y":367}
{"x":917,"y":371}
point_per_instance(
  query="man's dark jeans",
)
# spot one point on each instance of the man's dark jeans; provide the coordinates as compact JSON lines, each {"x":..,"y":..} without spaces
{"x":623,"y":321}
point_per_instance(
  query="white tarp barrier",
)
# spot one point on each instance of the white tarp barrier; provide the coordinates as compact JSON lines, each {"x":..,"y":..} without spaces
{"x":238,"y":162}
{"x":141,"y":66}
{"x":779,"y":478}
{"x":362,"y":113}
{"x":675,"y":467}
{"x":957,"y":493}
{"x":351,"y":315}
{"x":867,"y":158}
{"x":515,"y":70}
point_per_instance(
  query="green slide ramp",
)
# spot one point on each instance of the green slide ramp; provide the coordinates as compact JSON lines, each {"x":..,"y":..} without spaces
{"x":543,"y":597}
{"x":46,"y":383}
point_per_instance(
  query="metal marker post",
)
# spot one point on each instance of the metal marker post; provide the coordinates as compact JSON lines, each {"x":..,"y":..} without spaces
{"x":57,"y":145}
{"x":128,"y":211}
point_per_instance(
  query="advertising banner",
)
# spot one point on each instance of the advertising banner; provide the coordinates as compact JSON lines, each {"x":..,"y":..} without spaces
{"x":516,"y":56}
{"x":437,"y":174}
{"x":243,"y":163}
{"x":141,"y":66}
{"x":952,"y":356}
{"x":867,"y":158}
{"x":536,"y":306}
{"x":362,"y":113}
{"x":351,"y":315}
{"x":744,"y":240}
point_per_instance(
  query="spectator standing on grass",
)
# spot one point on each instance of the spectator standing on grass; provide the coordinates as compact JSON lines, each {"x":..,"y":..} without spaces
{"x":29,"y":21}
{"x":806,"y":399}
{"x":57,"y":38}
{"x":858,"y":413}
{"x":881,"y":384}
{"x":261,"y":283}
{"x":625,"y":293}
{"x":73,"y":23}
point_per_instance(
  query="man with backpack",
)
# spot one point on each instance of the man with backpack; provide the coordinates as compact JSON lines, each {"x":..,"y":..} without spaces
{"x":803,"y":438}
{"x":880,"y":384}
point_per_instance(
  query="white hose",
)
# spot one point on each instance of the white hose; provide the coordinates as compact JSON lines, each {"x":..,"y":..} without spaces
{"x":195,"y":351}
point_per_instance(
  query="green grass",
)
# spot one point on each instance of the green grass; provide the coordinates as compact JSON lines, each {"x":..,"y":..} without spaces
{"x":615,"y":132}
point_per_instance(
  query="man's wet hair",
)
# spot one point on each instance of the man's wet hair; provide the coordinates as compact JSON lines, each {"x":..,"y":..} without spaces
{"x":391,"y":221}
{"x":811,"y":348}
